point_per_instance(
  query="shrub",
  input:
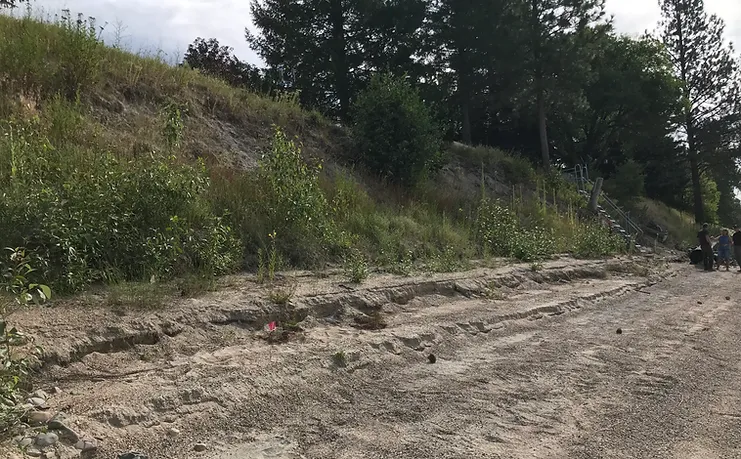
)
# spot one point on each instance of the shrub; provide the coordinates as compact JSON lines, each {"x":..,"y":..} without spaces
{"x":89,"y":216}
{"x":394,"y":130}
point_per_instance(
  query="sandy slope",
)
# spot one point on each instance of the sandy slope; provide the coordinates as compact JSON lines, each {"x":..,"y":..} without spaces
{"x":527,"y":365}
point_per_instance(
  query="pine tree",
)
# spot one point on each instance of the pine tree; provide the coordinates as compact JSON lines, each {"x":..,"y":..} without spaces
{"x":551,"y":45}
{"x":328,"y":49}
{"x":708,"y":75}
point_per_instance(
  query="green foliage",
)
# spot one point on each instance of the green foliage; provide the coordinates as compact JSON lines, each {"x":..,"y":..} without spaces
{"x":15,"y":290}
{"x":356,"y":267}
{"x":394,"y":130}
{"x":67,"y":64}
{"x":628,"y":184}
{"x":173,"y":127}
{"x":88,"y":216}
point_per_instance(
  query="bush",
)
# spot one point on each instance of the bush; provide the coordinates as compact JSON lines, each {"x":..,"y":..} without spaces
{"x":87,"y":216}
{"x":394,"y":130}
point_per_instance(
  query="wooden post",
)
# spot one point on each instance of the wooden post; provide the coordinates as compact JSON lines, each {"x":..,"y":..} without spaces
{"x":594,"y":199}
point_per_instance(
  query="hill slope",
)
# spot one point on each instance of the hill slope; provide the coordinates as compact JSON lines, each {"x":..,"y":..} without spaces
{"x":120,"y":167}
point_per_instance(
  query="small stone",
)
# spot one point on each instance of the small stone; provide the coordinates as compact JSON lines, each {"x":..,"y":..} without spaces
{"x":133,"y":455}
{"x":728,"y":298}
{"x":37,"y":401}
{"x":86,"y":445}
{"x":26,"y":442}
{"x":200,"y":447}
{"x":431,"y":358}
{"x":46,"y":439}
{"x":37,"y":418}
{"x":56,"y":391}
{"x":33,"y":452}
{"x":619,"y":331}
{"x":40,"y":394}
{"x":57,"y":422}
{"x":173,"y":432}
{"x":699,"y":302}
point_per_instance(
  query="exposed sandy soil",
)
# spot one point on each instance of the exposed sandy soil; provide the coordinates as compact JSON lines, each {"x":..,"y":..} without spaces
{"x":528,"y":364}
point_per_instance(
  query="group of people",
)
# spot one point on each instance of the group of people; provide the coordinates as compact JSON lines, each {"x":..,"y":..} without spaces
{"x":727,"y":243}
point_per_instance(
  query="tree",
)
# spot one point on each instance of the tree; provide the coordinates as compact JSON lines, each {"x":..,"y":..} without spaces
{"x":328,"y":49}
{"x":213,"y":59}
{"x":708,"y":76}
{"x":11,"y":3}
{"x":394,"y":130}
{"x":466,"y":41}
{"x":632,"y":97}
{"x":552,"y":51}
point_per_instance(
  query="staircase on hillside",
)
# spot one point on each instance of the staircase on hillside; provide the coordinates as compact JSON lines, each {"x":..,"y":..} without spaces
{"x":618,"y":220}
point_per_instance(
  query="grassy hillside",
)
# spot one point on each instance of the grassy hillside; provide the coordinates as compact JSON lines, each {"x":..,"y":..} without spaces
{"x":119,"y":167}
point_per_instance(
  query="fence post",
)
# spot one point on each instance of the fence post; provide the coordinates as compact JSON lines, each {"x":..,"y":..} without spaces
{"x":594,"y":199}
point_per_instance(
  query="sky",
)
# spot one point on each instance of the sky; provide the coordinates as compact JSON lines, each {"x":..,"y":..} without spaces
{"x":169,"y":26}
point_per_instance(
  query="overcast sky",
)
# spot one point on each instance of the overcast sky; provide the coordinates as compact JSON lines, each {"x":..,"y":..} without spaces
{"x":170,"y":25}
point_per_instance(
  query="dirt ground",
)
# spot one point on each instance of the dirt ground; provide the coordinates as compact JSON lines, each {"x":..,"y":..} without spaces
{"x":528,"y":364}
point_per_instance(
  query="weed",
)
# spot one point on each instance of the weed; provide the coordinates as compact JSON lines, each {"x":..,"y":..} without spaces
{"x":356,"y":267}
{"x":282,"y":296}
{"x":15,"y":290}
{"x":140,"y":295}
{"x":536,"y":267}
{"x":339,"y":359}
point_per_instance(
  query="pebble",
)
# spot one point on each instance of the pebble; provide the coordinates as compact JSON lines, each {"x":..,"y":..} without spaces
{"x":46,"y":439}
{"x":38,"y":418}
{"x":200,"y":447}
{"x":173,"y":432}
{"x":86,"y":445}
{"x":40,"y":394}
{"x":33,"y":452}
{"x":37,"y":401}
{"x":56,"y":391}
{"x":26,"y":442}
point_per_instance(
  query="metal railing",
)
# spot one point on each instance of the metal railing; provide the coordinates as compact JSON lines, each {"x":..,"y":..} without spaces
{"x":580,"y":175}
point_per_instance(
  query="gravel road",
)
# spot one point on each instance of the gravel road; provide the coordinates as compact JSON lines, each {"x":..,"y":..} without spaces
{"x":537,"y":370}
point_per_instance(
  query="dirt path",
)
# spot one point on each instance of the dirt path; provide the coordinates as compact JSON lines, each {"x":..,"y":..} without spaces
{"x":528,"y":364}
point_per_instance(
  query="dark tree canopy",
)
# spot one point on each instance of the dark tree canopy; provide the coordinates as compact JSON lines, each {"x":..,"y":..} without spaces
{"x":548,"y":78}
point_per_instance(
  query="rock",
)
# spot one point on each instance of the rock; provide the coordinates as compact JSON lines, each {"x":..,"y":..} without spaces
{"x":37,"y":402}
{"x":33,"y":452}
{"x":431,"y":358}
{"x":133,"y":455}
{"x":38,"y":418}
{"x":56,"y":391}
{"x":46,"y":439}
{"x":26,"y":442}
{"x":86,"y":445}
{"x":728,"y":298}
{"x":173,"y":432}
{"x":200,"y":447}
{"x":40,"y":394}
{"x":619,"y":331}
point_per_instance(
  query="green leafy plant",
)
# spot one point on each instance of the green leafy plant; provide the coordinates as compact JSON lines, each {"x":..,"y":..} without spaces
{"x":16,"y":290}
{"x":356,"y":267}
{"x":395,"y":131}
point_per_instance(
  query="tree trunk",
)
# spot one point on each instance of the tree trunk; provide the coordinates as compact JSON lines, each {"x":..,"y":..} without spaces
{"x":542,"y":128}
{"x":697,"y":189}
{"x":466,"y":119}
{"x":339,"y":57}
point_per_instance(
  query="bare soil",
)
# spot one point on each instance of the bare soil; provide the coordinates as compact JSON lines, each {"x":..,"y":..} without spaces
{"x":528,"y":363}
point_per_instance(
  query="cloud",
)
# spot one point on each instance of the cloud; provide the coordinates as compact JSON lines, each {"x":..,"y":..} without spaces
{"x":171,"y":25}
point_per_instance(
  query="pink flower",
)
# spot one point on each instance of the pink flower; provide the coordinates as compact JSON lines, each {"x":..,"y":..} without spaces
{"x":271,"y":326}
